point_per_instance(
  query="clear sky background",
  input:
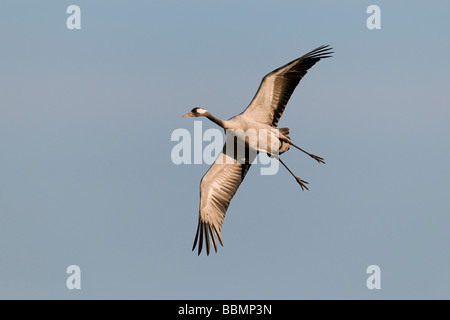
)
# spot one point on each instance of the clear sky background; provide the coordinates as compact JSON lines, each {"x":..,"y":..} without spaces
{"x":86,"y":176}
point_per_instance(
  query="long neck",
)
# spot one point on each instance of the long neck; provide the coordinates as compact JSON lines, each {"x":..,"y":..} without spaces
{"x":215,"y":120}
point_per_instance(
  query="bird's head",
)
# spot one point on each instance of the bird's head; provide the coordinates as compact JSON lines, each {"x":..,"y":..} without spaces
{"x":196,"y":112}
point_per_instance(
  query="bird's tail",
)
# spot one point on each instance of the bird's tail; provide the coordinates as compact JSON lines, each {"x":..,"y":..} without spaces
{"x":284,"y":145}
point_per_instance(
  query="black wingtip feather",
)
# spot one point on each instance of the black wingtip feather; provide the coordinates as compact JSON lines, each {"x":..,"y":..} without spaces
{"x":206,"y":238}
{"x":200,"y":243}
{"x":219,"y":236}
{"x":207,"y":231}
{"x":213,"y":238}
{"x":196,"y":237}
{"x":321,"y":52}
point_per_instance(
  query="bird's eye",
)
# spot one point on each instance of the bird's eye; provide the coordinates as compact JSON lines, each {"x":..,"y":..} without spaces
{"x":195,"y":109}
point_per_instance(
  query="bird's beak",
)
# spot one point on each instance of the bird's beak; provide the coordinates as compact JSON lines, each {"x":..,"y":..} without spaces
{"x":189,"y":114}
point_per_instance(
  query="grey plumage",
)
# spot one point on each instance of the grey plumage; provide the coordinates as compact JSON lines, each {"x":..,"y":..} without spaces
{"x":221,"y":181}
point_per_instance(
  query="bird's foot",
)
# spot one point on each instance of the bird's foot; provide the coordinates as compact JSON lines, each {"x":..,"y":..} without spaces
{"x":317,"y":158}
{"x":302,"y":183}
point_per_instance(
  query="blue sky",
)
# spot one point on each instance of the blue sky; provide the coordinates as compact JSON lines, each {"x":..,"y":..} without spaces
{"x":86,"y":118}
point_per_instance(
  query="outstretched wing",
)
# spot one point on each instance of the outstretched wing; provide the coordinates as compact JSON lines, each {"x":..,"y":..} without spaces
{"x":217,"y":188}
{"x":277,"y":87}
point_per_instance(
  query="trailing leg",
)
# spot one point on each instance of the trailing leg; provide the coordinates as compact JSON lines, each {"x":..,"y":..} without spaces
{"x":317,"y":158}
{"x":301,"y":182}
